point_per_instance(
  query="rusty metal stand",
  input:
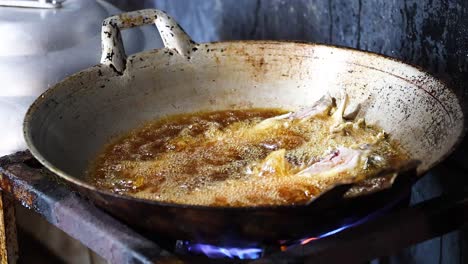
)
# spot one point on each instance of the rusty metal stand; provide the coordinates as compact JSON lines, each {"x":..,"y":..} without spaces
{"x":26,"y":181}
{"x":8,"y":239}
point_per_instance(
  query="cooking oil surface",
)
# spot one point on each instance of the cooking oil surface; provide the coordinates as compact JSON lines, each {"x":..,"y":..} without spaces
{"x":244,"y":157}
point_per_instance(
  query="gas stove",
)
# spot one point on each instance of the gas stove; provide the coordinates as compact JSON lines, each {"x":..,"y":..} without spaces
{"x":383,"y":232}
{"x":247,"y":250}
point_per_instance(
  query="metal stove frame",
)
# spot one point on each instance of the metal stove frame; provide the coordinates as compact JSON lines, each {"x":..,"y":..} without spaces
{"x":24,"y":180}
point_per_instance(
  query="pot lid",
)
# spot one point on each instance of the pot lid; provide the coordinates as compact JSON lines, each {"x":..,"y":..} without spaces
{"x":33,"y":31}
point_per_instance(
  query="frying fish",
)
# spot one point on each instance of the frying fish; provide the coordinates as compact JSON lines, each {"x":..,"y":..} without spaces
{"x":246,"y":157}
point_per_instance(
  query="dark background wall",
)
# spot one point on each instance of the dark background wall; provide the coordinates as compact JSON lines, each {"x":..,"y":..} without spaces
{"x":429,"y":33}
{"x":432,"y":34}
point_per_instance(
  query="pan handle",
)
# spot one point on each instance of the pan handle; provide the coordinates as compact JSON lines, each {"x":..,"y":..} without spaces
{"x":113,"y":52}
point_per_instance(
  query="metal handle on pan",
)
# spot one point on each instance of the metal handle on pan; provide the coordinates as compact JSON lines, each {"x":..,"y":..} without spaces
{"x":113,"y":52}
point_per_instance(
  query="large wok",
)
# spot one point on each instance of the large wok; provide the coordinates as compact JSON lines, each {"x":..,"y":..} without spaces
{"x":69,"y":123}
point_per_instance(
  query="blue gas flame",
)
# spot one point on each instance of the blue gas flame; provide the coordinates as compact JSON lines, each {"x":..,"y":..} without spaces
{"x":251,"y":252}
{"x":256,"y":252}
{"x":225,"y":252}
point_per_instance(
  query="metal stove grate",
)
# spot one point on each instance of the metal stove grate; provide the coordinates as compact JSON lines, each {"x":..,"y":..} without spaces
{"x":23,"y":179}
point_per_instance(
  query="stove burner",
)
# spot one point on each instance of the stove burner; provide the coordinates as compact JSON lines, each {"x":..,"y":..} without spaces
{"x":247,"y":251}
{"x":215,"y":252}
{"x":254,"y":251}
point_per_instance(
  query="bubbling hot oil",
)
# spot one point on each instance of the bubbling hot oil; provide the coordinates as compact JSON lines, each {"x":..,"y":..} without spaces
{"x":220,"y":159}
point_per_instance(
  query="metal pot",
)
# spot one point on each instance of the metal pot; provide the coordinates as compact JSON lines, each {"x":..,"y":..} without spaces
{"x":69,"y":123}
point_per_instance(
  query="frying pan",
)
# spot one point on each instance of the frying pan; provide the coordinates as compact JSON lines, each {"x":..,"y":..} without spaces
{"x":68,"y":124}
